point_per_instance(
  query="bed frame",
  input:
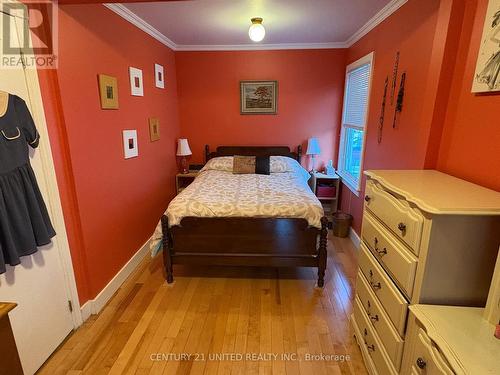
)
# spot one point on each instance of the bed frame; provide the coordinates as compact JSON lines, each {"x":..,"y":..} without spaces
{"x":246,"y":241}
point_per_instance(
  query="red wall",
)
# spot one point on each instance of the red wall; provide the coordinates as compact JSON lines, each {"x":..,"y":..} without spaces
{"x":470,"y":144}
{"x":113,"y":204}
{"x":309,"y":99}
{"x":409,"y":30}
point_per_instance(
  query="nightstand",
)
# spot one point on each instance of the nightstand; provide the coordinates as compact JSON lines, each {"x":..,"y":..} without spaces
{"x":326,"y":188}
{"x":182,"y":180}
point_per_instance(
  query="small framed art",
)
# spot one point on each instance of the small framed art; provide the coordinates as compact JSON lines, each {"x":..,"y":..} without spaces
{"x":130,"y":146}
{"x":259,"y":97}
{"x":159,"y":76}
{"x":154,"y":129}
{"x":108,"y":91}
{"x":136,"y":83}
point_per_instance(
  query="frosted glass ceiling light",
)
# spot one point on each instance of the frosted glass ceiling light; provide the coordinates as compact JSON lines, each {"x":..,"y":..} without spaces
{"x":256,"y":32}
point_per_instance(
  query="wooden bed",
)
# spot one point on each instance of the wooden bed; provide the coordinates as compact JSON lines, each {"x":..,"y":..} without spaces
{"x":246,"y":241}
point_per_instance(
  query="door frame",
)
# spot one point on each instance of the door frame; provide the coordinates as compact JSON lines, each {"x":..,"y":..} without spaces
{"x":53,"y":203}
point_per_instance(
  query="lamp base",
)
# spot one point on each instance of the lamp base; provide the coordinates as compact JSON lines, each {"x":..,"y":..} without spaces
{"x":184,"y":165}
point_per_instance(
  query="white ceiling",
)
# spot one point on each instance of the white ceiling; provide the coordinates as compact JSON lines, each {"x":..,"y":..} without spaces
{"x":221,"y":24}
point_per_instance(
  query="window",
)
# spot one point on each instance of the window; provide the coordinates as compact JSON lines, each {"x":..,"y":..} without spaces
{"x":352,"y":133}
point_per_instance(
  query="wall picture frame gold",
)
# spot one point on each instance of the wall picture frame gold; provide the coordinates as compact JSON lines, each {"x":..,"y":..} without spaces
{"x":108,"y":91}
{"x":154,"y":129}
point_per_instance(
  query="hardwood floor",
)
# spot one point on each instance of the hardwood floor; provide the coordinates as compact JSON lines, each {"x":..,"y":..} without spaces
{"x":150,"y":327}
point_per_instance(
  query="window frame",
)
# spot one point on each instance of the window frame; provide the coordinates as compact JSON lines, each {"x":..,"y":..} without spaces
{"x":354,"y":184}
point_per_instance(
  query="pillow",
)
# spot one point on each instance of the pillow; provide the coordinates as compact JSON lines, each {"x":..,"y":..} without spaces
{"x":262,"y":165}
{"x":220,"y":163}
{"x":251,"y":165}
{"x":243,"y":164}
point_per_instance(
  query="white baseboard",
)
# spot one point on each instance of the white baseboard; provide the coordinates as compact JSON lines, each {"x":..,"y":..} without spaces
{"x":354,"y":238}
{"x":86,"y":310}
{"x":95,"y":306}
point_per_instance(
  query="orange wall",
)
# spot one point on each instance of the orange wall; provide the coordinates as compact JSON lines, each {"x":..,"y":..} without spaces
{"x":470,"y":142}
{"x":309,"y":100}
{"x":409,"y":30}
{"x":112,"y":206}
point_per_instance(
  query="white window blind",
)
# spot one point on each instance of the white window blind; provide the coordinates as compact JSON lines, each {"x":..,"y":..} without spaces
{"x":356,"y":96}
{"x":354,"y":117}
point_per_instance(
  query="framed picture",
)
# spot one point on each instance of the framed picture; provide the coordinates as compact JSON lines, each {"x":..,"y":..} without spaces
{"x":130,"y":146}
{"x":259,"y":97}
{"x":136,"y":84}
{"x":487,"y":75}
{"x":154,"y":129}
{"x":108,"y":91}
{"x":159,"y":76}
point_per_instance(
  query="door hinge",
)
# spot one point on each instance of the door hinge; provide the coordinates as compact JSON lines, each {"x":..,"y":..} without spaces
{"x":70,"y":306}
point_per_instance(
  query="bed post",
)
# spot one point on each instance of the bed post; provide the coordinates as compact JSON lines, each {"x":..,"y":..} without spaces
{"x":299,"y":153}
{"x":322,"y":254}
{"x":167,"y":256}
{"x":207,"y":153}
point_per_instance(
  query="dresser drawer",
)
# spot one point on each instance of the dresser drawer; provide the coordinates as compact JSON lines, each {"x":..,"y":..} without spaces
{"x":393,"y":302}
{"x":427,"y":359}
{"x":402,"y":220}
{"x":398,"y":261}
{"x":371,"y":341}
{"x":390,"y":338}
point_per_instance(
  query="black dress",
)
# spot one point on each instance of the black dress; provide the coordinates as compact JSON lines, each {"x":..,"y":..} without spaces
{"x":24,"y":221}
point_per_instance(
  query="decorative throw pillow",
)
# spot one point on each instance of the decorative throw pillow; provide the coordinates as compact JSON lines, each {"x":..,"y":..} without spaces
{"x":243,"y":164}
{"x":262,"y":165}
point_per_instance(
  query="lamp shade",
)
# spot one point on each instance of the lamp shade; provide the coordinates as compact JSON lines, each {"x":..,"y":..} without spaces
{"x":313,"y":147}
{"x":183,"y":147}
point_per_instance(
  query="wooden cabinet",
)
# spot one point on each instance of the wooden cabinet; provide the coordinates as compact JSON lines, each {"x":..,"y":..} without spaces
{"x":182,"y":180}
{"x":10,"y":362}
{"x":427,"y":238}
{"x":447,"y":340}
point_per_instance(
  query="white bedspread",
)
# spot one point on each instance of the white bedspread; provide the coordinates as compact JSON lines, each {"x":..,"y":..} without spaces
{"x":217,"y":192}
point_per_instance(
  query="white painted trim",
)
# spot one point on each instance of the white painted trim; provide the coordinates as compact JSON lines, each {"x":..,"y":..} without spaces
{"x":259,"y":47}
{"x":137,"y":21}
{"x":53,"y":202}
{"x":376,"y":20}
{"x":354,"y":238}
{"x":94,"y":306}
{"x":86,"y":310}
{"x":134,"y":19}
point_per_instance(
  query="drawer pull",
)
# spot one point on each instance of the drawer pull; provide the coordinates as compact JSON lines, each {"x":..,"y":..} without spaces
{"x":402,"y":227}
{"x":421,"y":363}
{"x":381,"y":252}
{"x":369,"y":347}
{"x":367,"y":198}
{"x":375,"y":285}
{"x":374,"y":318}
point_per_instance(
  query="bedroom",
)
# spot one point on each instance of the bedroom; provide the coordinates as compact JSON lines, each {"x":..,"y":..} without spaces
{"x":104,"y":205}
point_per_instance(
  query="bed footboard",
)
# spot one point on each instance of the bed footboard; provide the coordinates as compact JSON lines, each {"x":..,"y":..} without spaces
{"x":240,"y":241}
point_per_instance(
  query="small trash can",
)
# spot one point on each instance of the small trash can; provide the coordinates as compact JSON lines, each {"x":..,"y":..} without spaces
{"x":341,"y":224}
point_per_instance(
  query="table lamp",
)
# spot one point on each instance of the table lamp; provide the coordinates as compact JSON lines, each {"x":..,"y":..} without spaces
{"x":183,"y":150}
{"x":313,"y":150}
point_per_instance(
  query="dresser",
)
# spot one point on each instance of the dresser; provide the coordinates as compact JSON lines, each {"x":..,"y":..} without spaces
{"x":447,"y":340}
{"x":10,"y":364}
{"x":426,"y":238}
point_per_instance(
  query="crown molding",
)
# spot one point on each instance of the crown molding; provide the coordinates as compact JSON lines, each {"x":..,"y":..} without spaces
{"x":134,"y":19}
{"x":137,"y":21}
{"x":376,"y":20}
{"x":258,"y":47}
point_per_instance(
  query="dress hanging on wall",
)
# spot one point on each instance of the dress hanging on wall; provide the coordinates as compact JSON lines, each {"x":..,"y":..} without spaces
{"x":24,"y":220}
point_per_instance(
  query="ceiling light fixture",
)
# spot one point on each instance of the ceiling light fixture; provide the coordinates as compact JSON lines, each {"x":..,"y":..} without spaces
{"x":256,"y":32}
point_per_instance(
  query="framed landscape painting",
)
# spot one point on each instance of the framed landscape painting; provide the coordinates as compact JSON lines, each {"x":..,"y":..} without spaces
{"x":487,"y":75}
{"x":259,"y":97}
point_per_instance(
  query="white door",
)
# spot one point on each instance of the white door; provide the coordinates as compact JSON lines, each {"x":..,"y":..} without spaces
{"x":39,"y":284}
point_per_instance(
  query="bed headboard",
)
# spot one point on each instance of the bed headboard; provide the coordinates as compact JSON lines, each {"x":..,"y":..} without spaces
{"x":253,"y":151}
